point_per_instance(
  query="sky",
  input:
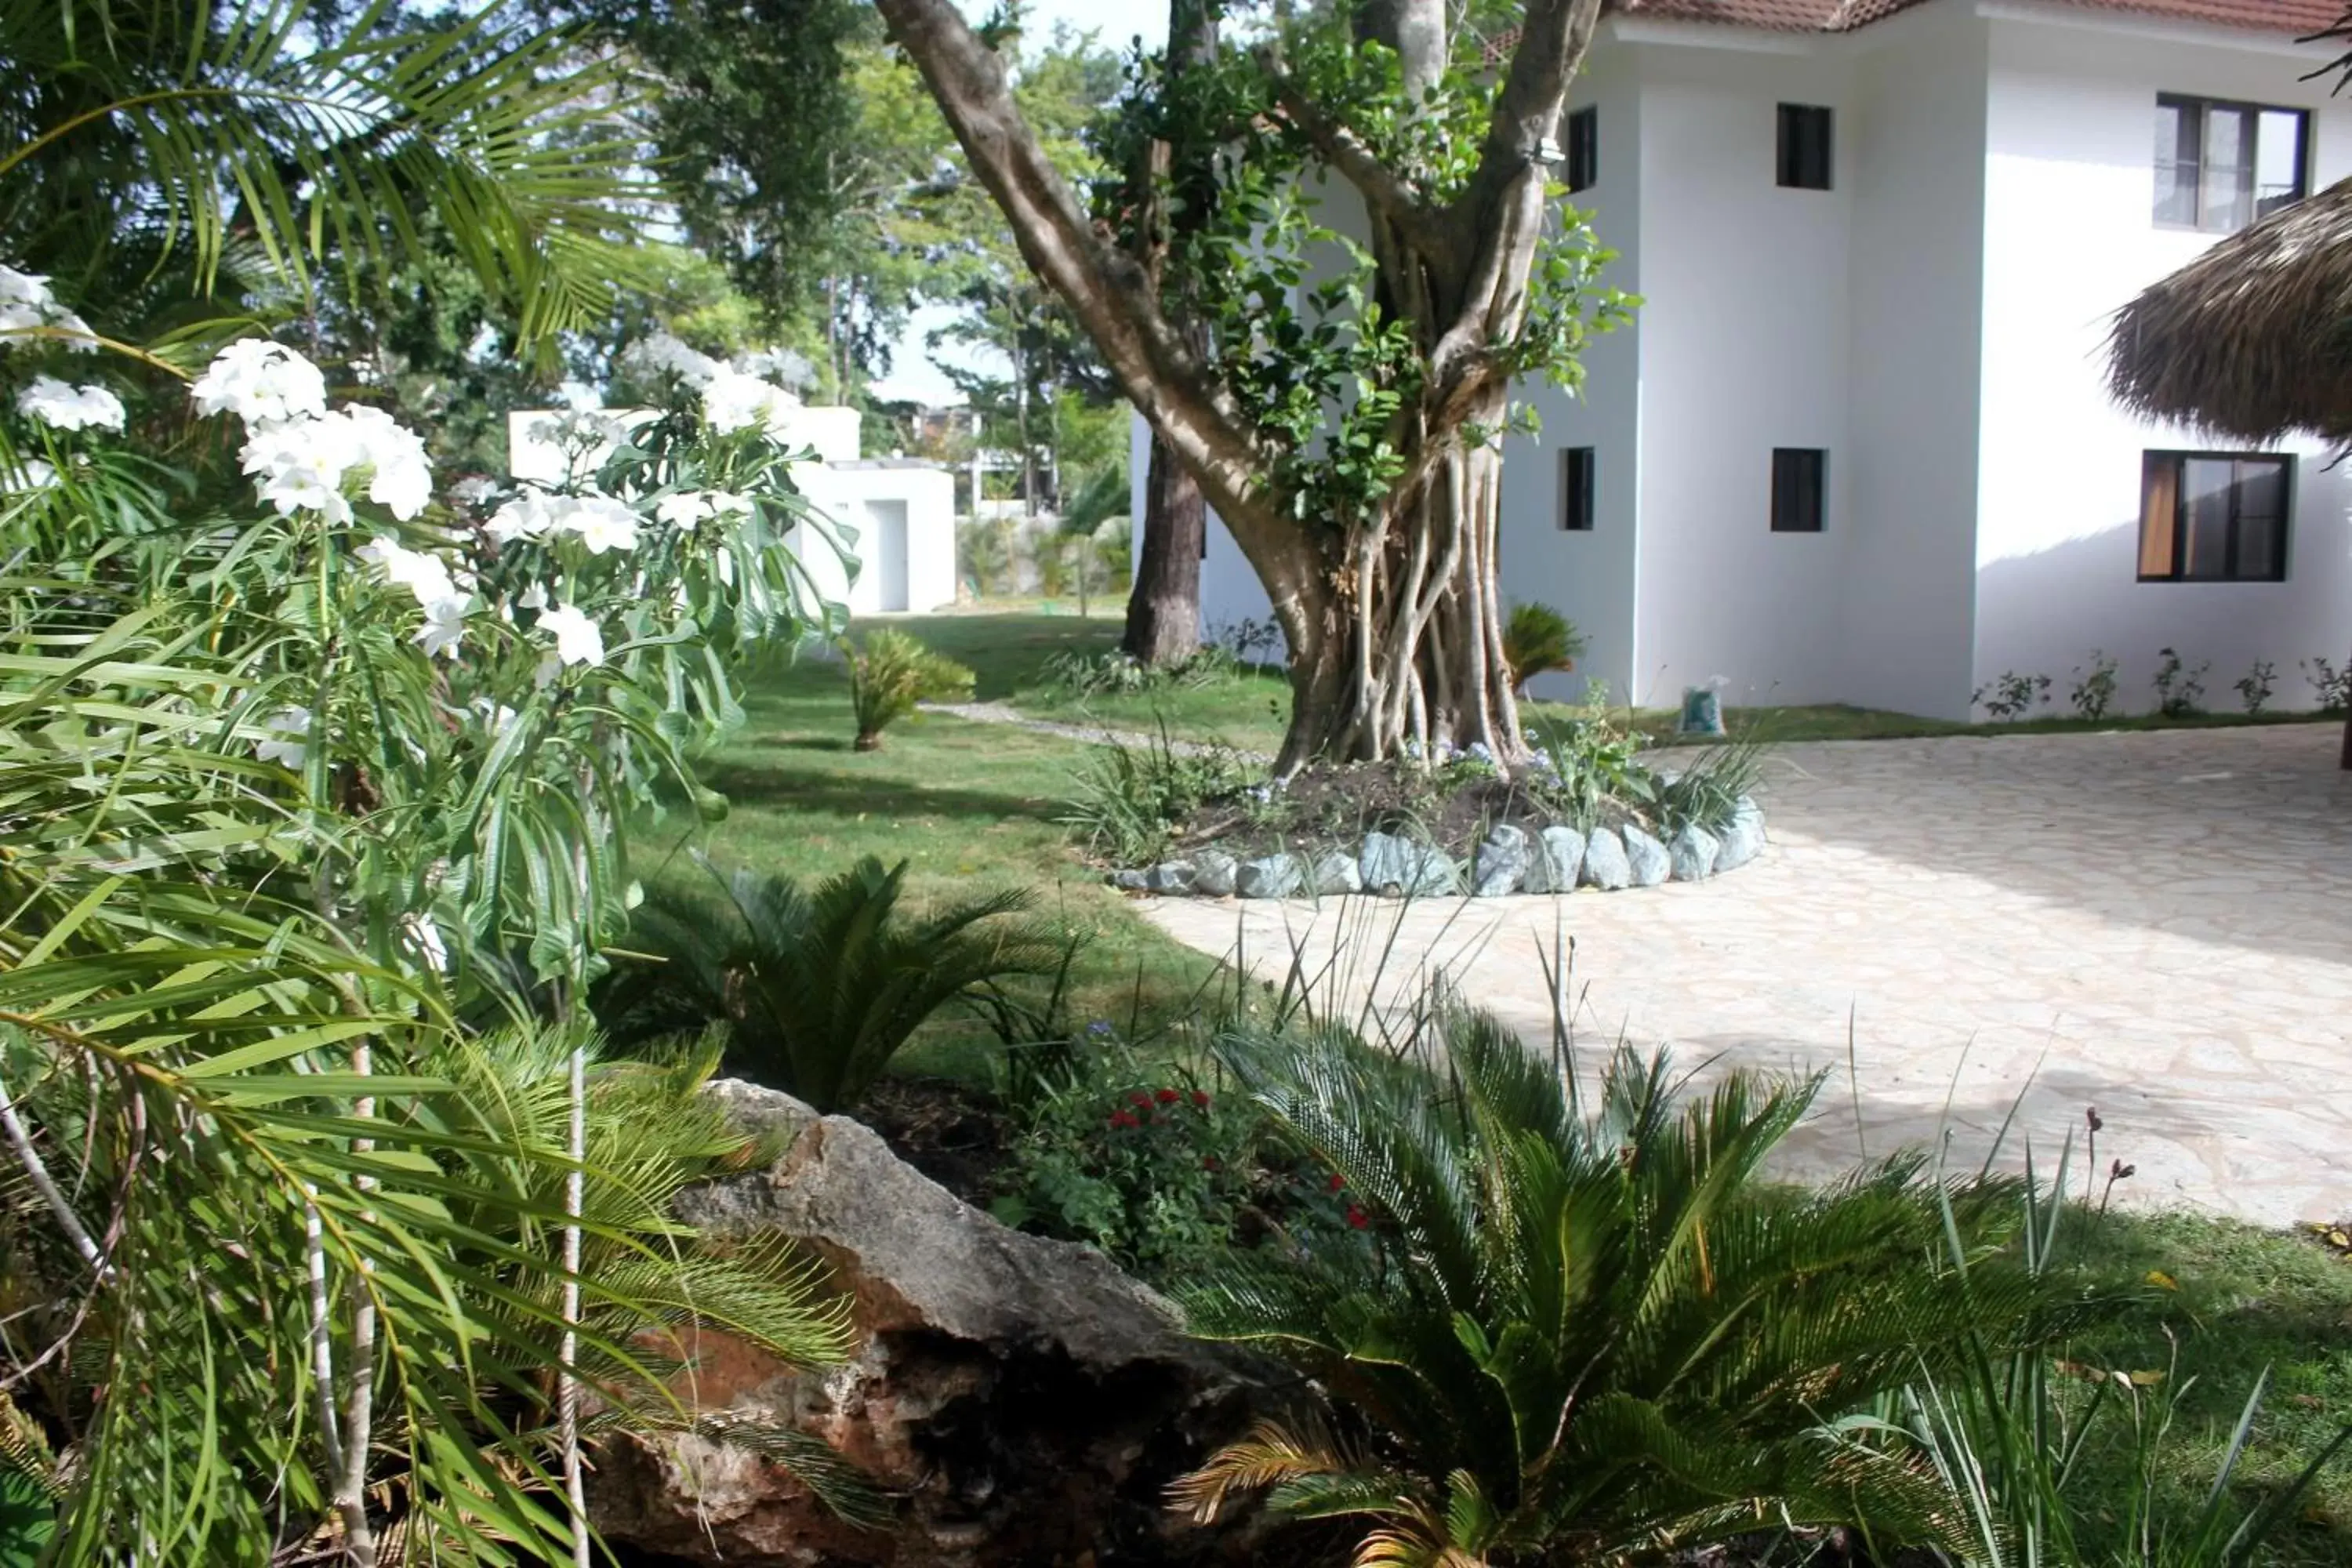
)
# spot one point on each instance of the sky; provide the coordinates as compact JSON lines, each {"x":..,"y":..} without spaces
{"x":912,"y":373}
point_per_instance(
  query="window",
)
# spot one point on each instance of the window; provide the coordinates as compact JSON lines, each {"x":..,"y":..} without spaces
{"x":1805,"y":147}
{"x":2219,"y":167}
{"x":2213,"y":517}
{"x":1584,"y":149}
{"x":1575,"y":489}
{"x":1800,"y":481}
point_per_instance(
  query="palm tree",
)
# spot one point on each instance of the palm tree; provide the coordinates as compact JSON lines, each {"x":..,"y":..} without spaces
{"x":1587,"y":1330}
{"x":148,"y":147}
{"x":818,"y":988}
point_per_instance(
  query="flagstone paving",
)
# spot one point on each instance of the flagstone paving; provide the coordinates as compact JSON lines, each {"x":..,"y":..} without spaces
{"x":2156,"y":925}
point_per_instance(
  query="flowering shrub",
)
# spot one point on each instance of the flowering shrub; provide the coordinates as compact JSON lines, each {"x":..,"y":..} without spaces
{"x":1161,"y":1173}
{"x":473,"y":695}
{"x":1150,"y":1173}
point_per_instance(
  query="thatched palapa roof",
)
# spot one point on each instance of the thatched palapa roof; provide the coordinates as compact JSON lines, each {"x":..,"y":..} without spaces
{"x":2253,"y":339}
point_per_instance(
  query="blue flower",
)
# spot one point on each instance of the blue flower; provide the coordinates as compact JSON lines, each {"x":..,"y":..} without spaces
{"x":1098,"y":1028}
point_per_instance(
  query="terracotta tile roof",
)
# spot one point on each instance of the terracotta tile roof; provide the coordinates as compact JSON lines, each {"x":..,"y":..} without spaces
{"x":2294,"y":18}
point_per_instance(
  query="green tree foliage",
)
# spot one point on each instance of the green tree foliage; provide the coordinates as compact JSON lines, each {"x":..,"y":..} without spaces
{"x":818,"y":987}
{"x":1594,"y":1327}
{"x":151,"y":151}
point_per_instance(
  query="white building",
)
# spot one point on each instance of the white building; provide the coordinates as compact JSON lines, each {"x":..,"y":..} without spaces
{"x":1856,"y":446}
{"x":902,"y":511}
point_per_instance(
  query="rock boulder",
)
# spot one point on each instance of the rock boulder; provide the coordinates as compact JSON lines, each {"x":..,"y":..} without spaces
{"x":1024,"y":1401}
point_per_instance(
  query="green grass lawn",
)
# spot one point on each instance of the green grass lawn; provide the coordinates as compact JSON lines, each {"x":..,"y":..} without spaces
{"x":975,"y":806}
{"x":2241,"y":1300}
{"x":1248,"y":708}
{"x":972,"y":806}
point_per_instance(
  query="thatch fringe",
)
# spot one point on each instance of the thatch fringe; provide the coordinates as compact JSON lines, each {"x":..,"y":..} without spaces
{"x":2253,"y":339}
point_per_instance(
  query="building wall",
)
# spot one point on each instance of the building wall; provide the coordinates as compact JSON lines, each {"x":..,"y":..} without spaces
{"x":1743,"y":349}
{"x":1590,"y":577}
{"x":1916,"y":264}
{"x":2070,"y":237}
{"x":866,"y":497}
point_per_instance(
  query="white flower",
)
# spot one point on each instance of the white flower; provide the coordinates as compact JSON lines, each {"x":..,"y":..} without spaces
{"x":533,"y":597}
{"x":299,"y":466}
{"x":424,"y":575}
{"x":734,"y":401}
{"x":293,"y":754}
{"x":577,"y":640}
{"x":261,"y":383}
{"x":67,"y":407}
{"x":445,"y":626}
{"x":425,"y":937}
{"x":495,"y":716}
{"x":601,"y":522}
{"x":402,"y":477}
{"x":683,"y":510}
{"x":32,"y":474}
{"x":27,"y":306}
{"x":474,"y":491}
{"x":528,"y":515}
{"x":664,"y":354}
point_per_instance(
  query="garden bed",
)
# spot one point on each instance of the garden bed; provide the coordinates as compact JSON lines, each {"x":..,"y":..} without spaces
{"x":1584,"y":813}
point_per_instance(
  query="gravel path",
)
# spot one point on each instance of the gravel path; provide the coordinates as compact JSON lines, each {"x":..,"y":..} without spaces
{"x":2158,"y":924}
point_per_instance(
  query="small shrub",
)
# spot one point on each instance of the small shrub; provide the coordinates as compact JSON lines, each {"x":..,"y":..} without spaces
{"x":1585,"y":762}
{"x":1707,"y":793}
{"x":984,"y":553}
{"x":1147,"y":1166}
{"x":2330,"y":686}
{"x":2094,"y":691}
{"x":1049,"y":557}
{"x":2179,"y":690}
{"x":1250,"y":641}
{"x":1538,"y":640}
{"x":2013,"y":696}
{"x":1599,"y":1330}
{"x":891,"y":674}
{"x":817,"y":988}
{"x":2254,"y":686}
{"x":1130,"y":802}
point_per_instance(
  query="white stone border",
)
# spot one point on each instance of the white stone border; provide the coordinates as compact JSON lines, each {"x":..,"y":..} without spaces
{"x":1508,"y":860}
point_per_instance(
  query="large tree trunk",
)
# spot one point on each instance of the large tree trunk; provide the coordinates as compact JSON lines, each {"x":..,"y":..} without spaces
{"x":1394,"y":624}
{"x":1164,"y":609}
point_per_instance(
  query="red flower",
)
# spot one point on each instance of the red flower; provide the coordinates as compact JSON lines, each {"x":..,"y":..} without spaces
{"x":1167,"y":1097}
{"x":1210,"y":1163}
{"x":1200,"y":1097}
{"x":1357,"y":1219}
{"x":1125,"y":1119}
{"x":1337,"y":1181}
{"x":1138,"y":1098}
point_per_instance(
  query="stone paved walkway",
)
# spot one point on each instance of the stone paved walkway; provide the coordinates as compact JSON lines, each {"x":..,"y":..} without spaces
{"x":2155,"y":924}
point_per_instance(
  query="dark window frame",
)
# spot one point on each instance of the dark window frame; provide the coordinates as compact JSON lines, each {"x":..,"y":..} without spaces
{"x":2177,"y":459}
{"x":1805,"y":147}
{"x":1578,"y":465}
{"x":1583,"y":140}
{"x":1793,"y":488}
{"x":2199,"y":107}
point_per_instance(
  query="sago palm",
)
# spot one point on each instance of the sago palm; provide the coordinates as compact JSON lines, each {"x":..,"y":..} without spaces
{"x":1593,"y":1330}
{"x":819,"y":987}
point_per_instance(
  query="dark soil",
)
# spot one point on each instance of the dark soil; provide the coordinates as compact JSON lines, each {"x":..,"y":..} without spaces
{"x":952,"y":1133}
{"x":1333,"y":808}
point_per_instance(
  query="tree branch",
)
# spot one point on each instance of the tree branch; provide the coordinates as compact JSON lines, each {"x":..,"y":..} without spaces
{"x":1384,"y":191}
{"x":1109,"y":291}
